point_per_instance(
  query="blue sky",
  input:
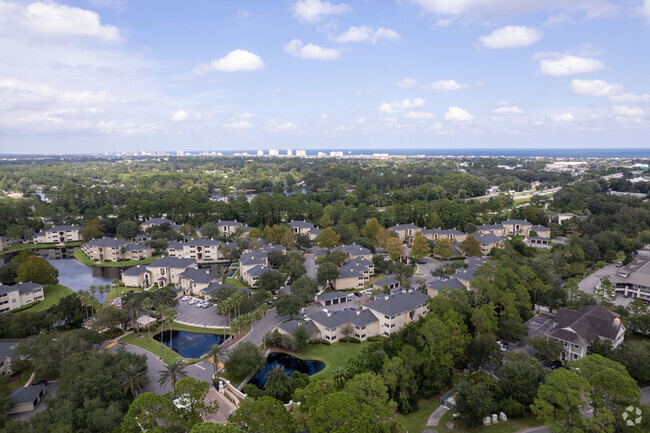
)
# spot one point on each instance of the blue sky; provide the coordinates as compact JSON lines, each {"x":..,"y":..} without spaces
{"x":93,"y":75}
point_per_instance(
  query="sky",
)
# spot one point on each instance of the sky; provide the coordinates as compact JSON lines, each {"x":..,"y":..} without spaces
{"x":100,"y":76}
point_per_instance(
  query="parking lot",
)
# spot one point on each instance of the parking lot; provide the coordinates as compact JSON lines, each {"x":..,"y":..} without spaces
{"x":541,"y":324}
{"x":193,"y":315}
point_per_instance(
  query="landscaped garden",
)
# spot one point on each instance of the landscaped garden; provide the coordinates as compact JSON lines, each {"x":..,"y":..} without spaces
{"x":333,"y":355}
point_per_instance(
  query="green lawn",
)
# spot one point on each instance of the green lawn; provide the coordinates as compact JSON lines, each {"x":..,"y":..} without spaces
{"x":53,"y":295}
{"x":83,"y":258}
{"x":198,"y":329}
{"x":120,"y":291}
{"x":510,"y":426}
{"x":334,"y":355}
{"x":21,"y":247}
{"x":237,"y":282}
{"x":416,"y":421}
{"x":152,"y":346}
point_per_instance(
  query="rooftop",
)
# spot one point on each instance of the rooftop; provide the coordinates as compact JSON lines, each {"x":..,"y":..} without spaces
{"x":398,"y":303}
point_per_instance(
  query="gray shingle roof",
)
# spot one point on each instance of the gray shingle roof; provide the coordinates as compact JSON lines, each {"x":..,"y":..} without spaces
{"x":172,"y":262}
{"x":386,"y":281}
{"x":490,"y":227}
{"x":199,"y":276}
{"x":253,"y":258}
{"x":203,"y":242}
{"x":22,"y":288}
{"x":301,"y":224}
{"x":258,"y":270}
{"x":108,"y":243}
{"x":134,"y":247}
{"x":328,"y":296}
{"x":135,"y":271}
{"x":229,"y":223}
{"x":404,"y":227}
{"x":398,"y":303}
{"x":158,"y":221}
{"x":338,"y":318}
{"x":582,"y":326}
{"x":488,"y":239}
{"x":520,"y":222}
{"x":26,"y":394}
{"x":452,"y":283}
{"x":291,"y":326}
{"x":353,"y":250}
{"x":214,"y":287}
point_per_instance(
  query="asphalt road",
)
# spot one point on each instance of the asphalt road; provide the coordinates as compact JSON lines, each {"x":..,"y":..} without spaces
{"x":193,"y":315}
{"x":311,"y":266}
{"x":425,"y":269}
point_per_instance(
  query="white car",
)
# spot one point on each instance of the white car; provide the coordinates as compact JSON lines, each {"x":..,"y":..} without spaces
{"x":193,"y":301}
{"x":186,"y":298}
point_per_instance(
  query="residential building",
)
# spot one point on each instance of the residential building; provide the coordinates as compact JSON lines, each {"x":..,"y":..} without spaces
{"x":489,"y":242}
{"x":114,"y":250}
{"x":301,"y":153}
{"x":274,"y":152}
{"x":452,"y":283}
{"x":163,"y":272}
{"x":542,"y":232}
{"x":253,"y":275}
{"x":395,"y":311}
{"x":26,"y":398}
{"x":452,"y":234}
{"x":58,"y":234}
{"x":152,"y":222}
{"x":6,"y":353}
{"x":137,"y":276}
{"x":6,"y":242}
{"x":300,"y":227}
{"x":538,"y":242}
{"x":250,"y":260}
{"x":19,"y":295}
{"x":577,"y":329}
{"x":406,"y":232}
{"x":492,"y":229}
{"x":329,"y":324}
{"x":289,"y":328}
{"x":354,"y":273}
{"x":517,"y":227}
{"x":230,"y":228}
{"x":355,"y":251}
{"x":391,"y":283}
{"x":633,"y":279}
{"x":332,"y":298}
{"x":194,"y":281}
{"x":203,"y":250}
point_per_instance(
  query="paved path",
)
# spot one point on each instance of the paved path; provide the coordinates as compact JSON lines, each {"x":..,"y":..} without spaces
{"x":260,"y":328}
{"x":434,"y":419}
{"x":645,"y":396}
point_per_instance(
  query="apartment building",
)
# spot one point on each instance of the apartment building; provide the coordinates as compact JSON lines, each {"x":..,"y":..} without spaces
{"x":19,"y":295}
{"x":406,"y":232}
{"x":58,"y":234}
{"x":114,"y":250}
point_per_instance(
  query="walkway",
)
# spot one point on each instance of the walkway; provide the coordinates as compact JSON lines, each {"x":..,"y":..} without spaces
{"x":434,"y":419}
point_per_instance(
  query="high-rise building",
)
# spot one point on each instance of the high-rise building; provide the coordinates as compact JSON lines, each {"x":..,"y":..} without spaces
{"x":301,"y":153}
{"x":274,"y":152}
{"x":180,"y":153}
{"x":260,"y":153}
{"x":289,"y":152}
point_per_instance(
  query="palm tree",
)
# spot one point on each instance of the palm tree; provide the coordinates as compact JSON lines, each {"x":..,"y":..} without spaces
{"x":115,"y":283}
{"x":174,"y":371}
{"x":278,"y":383}
{"x":146,"y":306}
{"x":93,"y":289}
{"x":340,"y":375}
{"x":133,"y":379}
{"x":169,"y":314}
{"x":213,"y":354}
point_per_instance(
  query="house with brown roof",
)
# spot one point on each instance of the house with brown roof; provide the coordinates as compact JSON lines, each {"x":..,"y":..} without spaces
{"x":577,"y":329}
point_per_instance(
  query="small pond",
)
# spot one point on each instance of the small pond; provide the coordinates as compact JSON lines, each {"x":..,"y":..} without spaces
{"x":78,"y":276}
{"x":190,"y":344}
{"x":289,"y":364}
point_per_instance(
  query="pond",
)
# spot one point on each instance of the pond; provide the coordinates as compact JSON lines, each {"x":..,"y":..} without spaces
{"x":289,"y":364}
{"x":190,"y":344}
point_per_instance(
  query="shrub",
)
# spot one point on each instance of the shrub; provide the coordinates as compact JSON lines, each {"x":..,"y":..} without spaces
{"x":512,"y":408}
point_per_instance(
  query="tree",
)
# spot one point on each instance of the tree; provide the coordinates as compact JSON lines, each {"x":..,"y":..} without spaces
{"x":369,"y":388}
{"x":402,"y":271}
{"x":288,"y":305}
{"x":301,"y":337}
{"x":483,"y":348}
{"x":263,"y":415}
{"x":561,"y":400}
{"x":294,"y":267}
{"x":395,"y":248}
{"x":340,"y":376}
{"x":471,"y":247}
{"x":146,"y":413}
{"x":547,"y":348}
{"x":192,"y":394}
{"x":328,"y":238}
{"x":339,"y":412}
{"x":213,"y":355}
{"x":133,"y":379}
{"x":147,"y":305}
{"x":474,"y":401}
{"x":335,"y":257}
{"x":169,"y":314}
{"x":278,"y":383}
{"x":110,"y":318}
{"x":443,"y":248}
{"x":173,"y":372}
{"x":211,"y":427}
{"x":327,"y":273}
{"x":127,"y":229}
{"x":521,"y":377}
{"x":305,"y":288}
{"x":420,"y":248}
{"x":347,"y":331}
{"x":210,"y":230}
{"x":93,"y":230}
{"x":605,"y":291}
{"x":271,"y":281}
{"x":244,"y":359}
{"x":37,"y":270}
{"x":371,"y":229}
{"x":484,"y":319}
{"x":635,"y":356}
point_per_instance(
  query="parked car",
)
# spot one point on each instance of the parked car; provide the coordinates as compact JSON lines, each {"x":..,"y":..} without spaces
{"x":422,"y":262}
{"x":359,"y":294}
{"x":503,"y":345}
{"x":552,"y":365}
{"x":186,"y":298}
{"x":207,"y":305}
{"x":193,"y":301}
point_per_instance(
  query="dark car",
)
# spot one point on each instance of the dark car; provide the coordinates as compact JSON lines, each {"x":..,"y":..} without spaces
{"x":359,"y":294}
{"x":422,"y":262}
{"x":40,"y":382}
{"x":552,"y":365}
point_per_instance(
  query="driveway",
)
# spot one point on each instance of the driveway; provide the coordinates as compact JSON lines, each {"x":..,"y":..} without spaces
{"x":425,"y":269}
{"x":192,"y":315}
{"x":50,"y":392}
{"x":311,"y":266}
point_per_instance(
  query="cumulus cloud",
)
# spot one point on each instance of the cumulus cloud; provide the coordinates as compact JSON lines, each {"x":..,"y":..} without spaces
{"x":180,"y":116}
{"x":242,"y":124}
{"x":506,"y":108}
{"x":32,"y":93}
{"x":403,"y":105}
{"x":445,"y":86}
{"x":457,"y":114}
{"x":594,"y":88}
{"x":275,"y":127}
{"x":366,"y":34}
{"x":310,"y":51}
{"x":564,"y":117}
{"x":312,"y":11}
{"x":407,"y":83}
{"x":511,"y":37}
{"x":51,"y":20}
{"x":457,"y":7}
{"x":237,"y":60}
{"x":567,"y":64}
{"x":419,"y":115}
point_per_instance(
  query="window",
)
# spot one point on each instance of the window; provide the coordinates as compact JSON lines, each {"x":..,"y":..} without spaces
{"x":576,"y":346}
{"x":13,"y":301}
{"x":575,"y":356}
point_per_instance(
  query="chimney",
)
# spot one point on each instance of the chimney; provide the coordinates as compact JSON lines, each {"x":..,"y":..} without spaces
{"x":386,"y":298}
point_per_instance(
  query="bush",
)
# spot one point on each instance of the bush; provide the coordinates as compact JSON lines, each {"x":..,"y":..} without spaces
{"x":253,"y":391}
{"x":351,"y":340}
{"x":321,"y":341}
{"x":512,"y":408}
{"x":245,"y":359}
{"x":25,"y":307}
{"x":375,"y":338}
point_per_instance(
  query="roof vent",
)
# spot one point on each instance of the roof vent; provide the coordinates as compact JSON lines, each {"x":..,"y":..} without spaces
{"x":386,"y":298}
{"x":329,"y":314}
{"x":358,"y":312}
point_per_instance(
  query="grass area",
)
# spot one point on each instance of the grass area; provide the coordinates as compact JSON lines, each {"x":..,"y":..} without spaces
{"x":152,"y":346}
{"x":334,"y":356}
{"x":83,"y":258}
{"x":521,"y":200}
{"x":121,"y":290}
{"x":237,"y":282}
{"x":416,"y":422}
{"x":21,"y":247}
{"x":53,"y":295}
{"x":199,"y":329}
{"x":510,"y":426}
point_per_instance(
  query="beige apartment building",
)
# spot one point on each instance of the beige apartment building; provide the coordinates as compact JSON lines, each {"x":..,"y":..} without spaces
{"x":58,"y":234}
{"x":19,"y":295}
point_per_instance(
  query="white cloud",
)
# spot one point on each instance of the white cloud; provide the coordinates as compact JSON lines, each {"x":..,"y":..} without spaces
{"x":396,"y":106}
{"x":445,"y":85}
{"x":180,"y":116}
{"x":644,"y":9}
{"x":312,"y":11}
{"x":569,"y":65}
{"x":627,"y":111}
{"x":237,"y":60}
{"x":407,"y":83}
{"x":457,"y":114}
{"x":457,"y":7}
{"x":419,"y":115}
{"x":310,"y":51}
{"x":51,"y":20}
{"x":564,"y":117}
{"x":26,"y":92}
{"x":511,"y":37}
{"x":242,"y":124}
{"x":243,"y":13}
{"x":274,"y":126}
{"x":360,"y":120}
{"x":629,"y":97}
{"x":595,"y":88}
{"x":366,"y":34}
{"x":507,"y":109}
